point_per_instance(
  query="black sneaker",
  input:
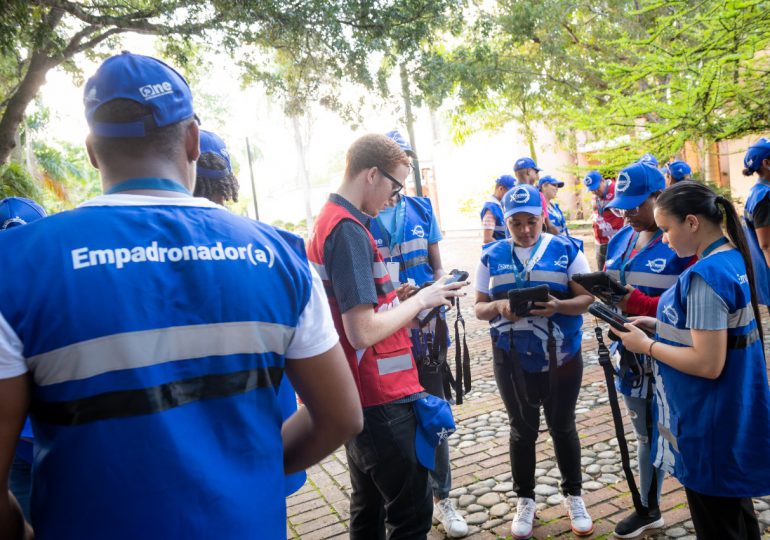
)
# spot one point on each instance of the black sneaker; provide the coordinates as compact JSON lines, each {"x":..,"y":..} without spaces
{"x":635,"y":524}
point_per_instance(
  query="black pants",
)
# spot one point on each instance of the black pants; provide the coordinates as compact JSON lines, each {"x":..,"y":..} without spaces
{"x":391,"y":496}
{"x":559,"y":407}
{"x":722,"y":518}
{"x":601,"y":256}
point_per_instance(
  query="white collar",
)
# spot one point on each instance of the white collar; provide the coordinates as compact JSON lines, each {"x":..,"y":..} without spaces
{"x":125,"y":199}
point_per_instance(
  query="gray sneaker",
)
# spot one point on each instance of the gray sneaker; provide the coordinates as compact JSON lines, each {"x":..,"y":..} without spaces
{"x":453,"y":522}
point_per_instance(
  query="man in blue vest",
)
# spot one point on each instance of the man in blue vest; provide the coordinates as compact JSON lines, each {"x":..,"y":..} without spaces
{"x":492,"y":223}
{"x":148,"y":332}
{"x":407,"y":236}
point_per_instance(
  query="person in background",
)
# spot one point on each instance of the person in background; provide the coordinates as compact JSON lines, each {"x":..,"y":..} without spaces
{"x":549,"y":187}
{"x":492,"y":223}
{"x":15,"y":212}
{"x":537,"y":358}
{"x":756,"y":216}
{"x":527,"y":172}
{"x":215,"y":181}
{"x":390,"y":486}
{"x":649,"y":160}
{"x":677,"y":171}
{"x":605,"y":222}
{"x":711,"y":390}
{"x":640,"y":260}
{"x":407,"y":236}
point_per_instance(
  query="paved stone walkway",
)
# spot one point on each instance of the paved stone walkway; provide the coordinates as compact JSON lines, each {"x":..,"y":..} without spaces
{"x":479,"y":455}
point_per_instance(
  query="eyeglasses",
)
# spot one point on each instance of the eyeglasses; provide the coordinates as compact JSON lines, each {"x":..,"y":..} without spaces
{"x":398,"y":185}
{"x":625,"y":213}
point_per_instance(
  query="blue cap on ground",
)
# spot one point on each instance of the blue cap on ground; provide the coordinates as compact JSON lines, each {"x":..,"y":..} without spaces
{"x":649,"y":160}
{"x":635,"y":184}
{"x":547,"y":179}
{"x":506,"y":180}
{"x":525,"y":163}
{"x":17,"y":211}
{"x":399,"y":139}
{"x":435,"y":424}
{"x":677,"y":170}
{"x":522,"y":198}
{"x":212,"y":144}
{"x":592,"y":180}
{"x":756,"y":154}
{"x":142,"y":79}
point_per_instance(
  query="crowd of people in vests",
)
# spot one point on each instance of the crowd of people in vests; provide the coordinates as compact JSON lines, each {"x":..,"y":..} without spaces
{"x":153,"y":345}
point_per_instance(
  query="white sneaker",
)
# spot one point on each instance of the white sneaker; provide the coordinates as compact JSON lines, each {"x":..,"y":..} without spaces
{"x":582,"y":524}
{"x":521,"y":527}
{"x":453,"y":522}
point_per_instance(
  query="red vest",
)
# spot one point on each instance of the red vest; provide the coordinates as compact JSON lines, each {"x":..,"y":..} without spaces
{"x":385,"y":371}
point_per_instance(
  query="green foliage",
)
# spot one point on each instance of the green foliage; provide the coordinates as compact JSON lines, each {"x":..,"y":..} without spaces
{"x":16,"y":182}
{"x":68,"y":177}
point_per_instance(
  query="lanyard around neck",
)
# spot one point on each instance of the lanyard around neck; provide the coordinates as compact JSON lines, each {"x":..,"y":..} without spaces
{"x":521,"y":270}
{"x":157,"y":184}
{"x":627,"y":258}
{"x":714,"y":245}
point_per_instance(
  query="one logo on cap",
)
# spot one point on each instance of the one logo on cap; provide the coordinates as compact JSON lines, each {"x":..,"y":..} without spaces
{"x":588,"y":181}
{"x":670,"y":313}
{"x":152,"y":91}
{"x":12,"y":221}
{"x":750,"y":162}
{"x":520,"y":162}
{"x":418,"y":231}
{"x":623,"y":182}
{"x":444,"y":434}
{"x":562,"y":261}
{"x":520,"y":195}
{"x":656,"y":265}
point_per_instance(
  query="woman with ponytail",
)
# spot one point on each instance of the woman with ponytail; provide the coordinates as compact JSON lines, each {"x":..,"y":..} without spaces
{"x":711,"y":389}
{"x":756,"y":215}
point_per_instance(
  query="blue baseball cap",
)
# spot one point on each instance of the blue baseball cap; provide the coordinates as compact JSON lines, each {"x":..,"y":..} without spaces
{"x":17,"y":211}
{"x":649,"y":160}
{"x":506,"y":180}
{"x":678,"y":170}
{"x":635,"y":184}
{"x":547,"y":179}
{"x":399,"y":139}
{"x":592,"y":180}
{"x":757,"y":152}
{"x":522,"y":198}
{"x":525,"y":163}
{"x":210,"y":143}
{"x":142,"y":79}
{"x":435,"y":424}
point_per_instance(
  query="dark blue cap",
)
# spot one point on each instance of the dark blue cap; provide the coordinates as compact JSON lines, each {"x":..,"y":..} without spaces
{"x":506,"y":180}
{"x":525,"y":163}
{"x":757,"y":152}
{"x":635,"y":184}
{"x":547,"y":179}
{"x":435,"y":424}
{"x":593,"y":180}
{"x":522,"y":198}
{"x":142,"y":79}
{"x":399,"y":139}
{"x":211,"y":144}
{"x":17,"y":211}
{"x":677,"y":170}
{"x":649,"y":160}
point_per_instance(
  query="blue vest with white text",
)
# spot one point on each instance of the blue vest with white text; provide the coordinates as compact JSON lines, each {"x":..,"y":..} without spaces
{"x":759,"y":191}
{"x":557,"y":218}
{"x":155,"y":339}
{"x":530,"y":334}
{"x":655,"y":268}
{"x":714,"y":435}
{"x":494,"y":206}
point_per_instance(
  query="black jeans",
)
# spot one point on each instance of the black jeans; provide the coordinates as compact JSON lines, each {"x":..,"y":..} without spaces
{"x":559,"y":406}
{"x":722,"y":518}
{"x":390,"y":487}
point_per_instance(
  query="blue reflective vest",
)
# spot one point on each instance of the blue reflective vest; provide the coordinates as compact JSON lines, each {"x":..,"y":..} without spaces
{"x":530,"y":334}
{"x":714,"y":435}
{"x":759,"y":191}
{"x":155,"y":339}
{"x":494,"y":206}
{"x":557,"y":218}
{"x":409,"y":247}
{"x":655,"y":268}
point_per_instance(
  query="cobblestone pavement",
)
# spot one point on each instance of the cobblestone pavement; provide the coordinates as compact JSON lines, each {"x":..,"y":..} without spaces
{"x":479,"y":454}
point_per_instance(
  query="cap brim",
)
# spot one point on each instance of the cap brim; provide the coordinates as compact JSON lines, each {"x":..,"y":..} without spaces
{"x":627,"y":202}
{"x":426,"y":454}
{"x":534,"y":210}
{"x":559,"y":184}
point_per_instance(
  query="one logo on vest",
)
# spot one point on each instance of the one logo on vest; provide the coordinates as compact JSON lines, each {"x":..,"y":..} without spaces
{"x":742,"y":279}
{"x":503,"y":267}
{"x":623,"y":182}
{"x":561,"y":262}
{"x":379,"y":241}
{"x":152,"y":91}
{"x":671,"y":314}
{"x":656,"y":265}
{"x":520,"y":195}
{"x":418,"y":231}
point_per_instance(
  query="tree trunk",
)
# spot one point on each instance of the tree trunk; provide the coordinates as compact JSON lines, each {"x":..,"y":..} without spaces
{"x":301,"y":145}
{"x":13,"y":115}
{"x":410,"y":128}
